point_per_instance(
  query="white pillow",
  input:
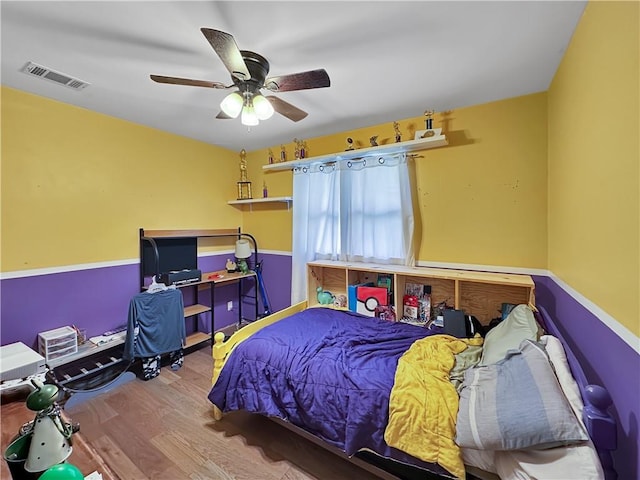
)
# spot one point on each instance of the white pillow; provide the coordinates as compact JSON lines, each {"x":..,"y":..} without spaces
{"x":558,"y":359}
{"x":482,"y":459}
{"x":509,"y":334}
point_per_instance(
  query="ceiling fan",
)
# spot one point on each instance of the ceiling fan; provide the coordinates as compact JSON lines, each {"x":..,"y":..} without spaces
{"x":249,"y":74}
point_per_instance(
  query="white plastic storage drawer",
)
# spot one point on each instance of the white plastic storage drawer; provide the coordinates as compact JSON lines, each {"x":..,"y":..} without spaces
{"x":57,"y":343}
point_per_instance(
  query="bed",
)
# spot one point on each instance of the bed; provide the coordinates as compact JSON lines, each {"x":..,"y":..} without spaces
{"x":410,"y":400}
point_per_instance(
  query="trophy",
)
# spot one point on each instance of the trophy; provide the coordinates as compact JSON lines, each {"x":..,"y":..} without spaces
{"x":349,"y":144}
{"x":429,"y":130}
{"x":270,"y":156}
{"x":244,"y":186}
{"x":428,"y":124}
{"x":301,"y":148}
{"x":396,"y":129}
{"x":296,"y":151}
{"x":283,"y":154}
{"x":374,"y":141}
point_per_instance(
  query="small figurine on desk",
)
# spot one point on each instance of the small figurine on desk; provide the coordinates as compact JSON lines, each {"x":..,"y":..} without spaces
{"x":243,"y":267}
{"x":231,"y":266}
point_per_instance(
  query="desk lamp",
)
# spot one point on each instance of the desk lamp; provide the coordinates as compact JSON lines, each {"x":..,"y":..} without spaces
{"x":50,"y":436}
{"x":243,"y":251}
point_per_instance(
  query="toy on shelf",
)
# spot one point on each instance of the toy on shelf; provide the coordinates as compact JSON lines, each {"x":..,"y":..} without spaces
{"x":325,"y":297}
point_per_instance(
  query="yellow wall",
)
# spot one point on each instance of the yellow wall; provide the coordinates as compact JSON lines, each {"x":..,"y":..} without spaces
{"x":481,"y":199}
{"x":526,"y":182}
{"x":77,"y":185}
{"x":594,"y":157}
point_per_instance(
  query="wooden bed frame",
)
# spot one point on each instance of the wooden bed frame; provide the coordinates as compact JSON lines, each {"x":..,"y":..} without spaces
{"x":600,"y":424}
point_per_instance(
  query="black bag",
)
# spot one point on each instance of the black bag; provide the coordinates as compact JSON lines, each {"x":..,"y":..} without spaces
{"x":459,"y":325}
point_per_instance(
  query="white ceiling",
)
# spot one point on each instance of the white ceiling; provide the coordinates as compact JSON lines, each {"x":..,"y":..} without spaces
{"x":387,"y":60}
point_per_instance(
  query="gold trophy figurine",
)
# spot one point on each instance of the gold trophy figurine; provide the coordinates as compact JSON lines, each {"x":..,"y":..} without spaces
{"x":270,"y":156}
{"x":296,"y":153}
{"x":301,"y":148}
{"x":283,"y":154}
{"x":243,"y":165}
{"x":396,"y":129}
{"x":349,"y":144}
{"x":244,"y":186}
{"x":374,"y":141}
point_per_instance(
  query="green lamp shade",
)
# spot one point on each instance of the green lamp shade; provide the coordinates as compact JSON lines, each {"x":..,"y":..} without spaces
{"x":42,"y":397}
{"x":62,"y":471}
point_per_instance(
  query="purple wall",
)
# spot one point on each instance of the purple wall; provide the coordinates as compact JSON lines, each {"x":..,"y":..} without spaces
{"x":607,"y":360}
{"x":98,"y":299}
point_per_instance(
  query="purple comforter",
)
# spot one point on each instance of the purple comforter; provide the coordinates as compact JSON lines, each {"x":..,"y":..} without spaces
{"x":329,"y":372}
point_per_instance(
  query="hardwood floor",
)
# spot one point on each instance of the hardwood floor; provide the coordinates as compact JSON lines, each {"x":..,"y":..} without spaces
{"x":163,"y":429}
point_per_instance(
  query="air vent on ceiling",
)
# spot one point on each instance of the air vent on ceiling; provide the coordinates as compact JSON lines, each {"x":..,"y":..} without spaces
{"x":57,"y":77}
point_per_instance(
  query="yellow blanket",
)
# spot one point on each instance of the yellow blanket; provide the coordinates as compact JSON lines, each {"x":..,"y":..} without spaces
{"x":424,"y":404}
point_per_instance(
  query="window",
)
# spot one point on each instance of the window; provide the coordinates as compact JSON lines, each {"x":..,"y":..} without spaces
{"x":356,"y":210}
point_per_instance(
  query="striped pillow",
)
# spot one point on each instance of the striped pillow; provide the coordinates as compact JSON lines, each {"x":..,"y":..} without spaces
{"x":516,"y":404}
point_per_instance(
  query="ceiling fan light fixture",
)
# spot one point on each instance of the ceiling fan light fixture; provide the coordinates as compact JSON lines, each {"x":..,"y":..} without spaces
{"x":249,"y":117}
{"x":263,"y":108}
{"x":231,"y":105}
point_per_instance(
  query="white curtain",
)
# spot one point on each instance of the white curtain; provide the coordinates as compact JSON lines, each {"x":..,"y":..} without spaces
{"x":355,"y":210}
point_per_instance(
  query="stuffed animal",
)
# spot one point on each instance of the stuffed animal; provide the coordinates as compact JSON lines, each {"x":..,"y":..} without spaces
{"x":324,"y":297}
{"x":340,"y":301}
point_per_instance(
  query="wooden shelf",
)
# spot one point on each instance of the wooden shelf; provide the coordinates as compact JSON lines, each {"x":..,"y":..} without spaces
{"x":261,"y":200}
{"x":196,"y":338}
{"x":195,"y":309}
{"x":221,"y":232}
{"x":477,"y":293}
{"x":389,"y":149}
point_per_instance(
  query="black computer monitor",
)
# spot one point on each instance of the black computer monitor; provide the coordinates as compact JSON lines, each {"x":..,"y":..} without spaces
{"x":173,"y":254}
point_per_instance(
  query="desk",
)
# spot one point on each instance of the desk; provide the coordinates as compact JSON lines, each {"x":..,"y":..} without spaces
{"x":158,"y":253}
{"x":211,"y":280}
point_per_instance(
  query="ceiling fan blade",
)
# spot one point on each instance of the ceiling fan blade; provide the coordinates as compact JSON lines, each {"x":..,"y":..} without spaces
{"x":223,"y":116}
{"x":187,"y":81}
{"x":286,"y":109}
{"x":298,"y":81}
{"x":227,"y":49}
